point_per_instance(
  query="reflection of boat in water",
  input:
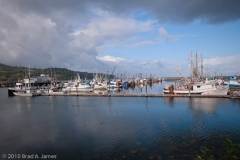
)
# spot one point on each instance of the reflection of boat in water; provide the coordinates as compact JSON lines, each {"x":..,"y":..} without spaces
{"x":208,"y":105}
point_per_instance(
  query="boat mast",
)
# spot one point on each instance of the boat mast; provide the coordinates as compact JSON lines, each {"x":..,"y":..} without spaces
{"x":29,"y":84}
{"x":201,"y":65}
{"x":196,"y":70}
{"x":51,"y":77}
{"x":191,"y":67}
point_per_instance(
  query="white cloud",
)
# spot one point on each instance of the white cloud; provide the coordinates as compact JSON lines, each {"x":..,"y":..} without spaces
{"x":144,"y":43}
{"x":222,"y":60}
{"x":107,"y":26}
{"x":71,"y":35}
{"x":165,"y":35}
{"x":228,"y":65}
{"x":111,"y":59}
{"x":146,"y":67}
{"x":162,"y":36}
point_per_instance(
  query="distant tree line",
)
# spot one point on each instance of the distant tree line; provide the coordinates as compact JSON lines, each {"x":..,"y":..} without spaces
{"x":10,"y":74}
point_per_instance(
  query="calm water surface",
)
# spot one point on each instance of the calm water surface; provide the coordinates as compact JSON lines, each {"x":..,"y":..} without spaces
{"x":116,"y":127}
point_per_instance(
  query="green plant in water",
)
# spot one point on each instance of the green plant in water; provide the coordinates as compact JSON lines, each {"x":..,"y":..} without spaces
{"x":205,"y":154}
{"x":230,"y":152}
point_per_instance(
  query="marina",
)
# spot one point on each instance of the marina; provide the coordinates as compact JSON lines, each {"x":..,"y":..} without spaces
{"x":144,"y":90}
{"x":120,"y":80}
{"x":108,"y":85}
{"x":108,"y":117}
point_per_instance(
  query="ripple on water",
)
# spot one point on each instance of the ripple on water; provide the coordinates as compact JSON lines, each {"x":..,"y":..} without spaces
{"x":116,"y":127}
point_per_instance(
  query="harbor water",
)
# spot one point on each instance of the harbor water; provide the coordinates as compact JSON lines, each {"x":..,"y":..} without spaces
{"x":73,"y":127}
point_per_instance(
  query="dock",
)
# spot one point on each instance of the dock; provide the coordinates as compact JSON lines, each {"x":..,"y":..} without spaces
{"x":142,"y":95}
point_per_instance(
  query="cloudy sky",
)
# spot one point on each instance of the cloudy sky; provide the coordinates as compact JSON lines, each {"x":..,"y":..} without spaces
{"x":136,"y":36}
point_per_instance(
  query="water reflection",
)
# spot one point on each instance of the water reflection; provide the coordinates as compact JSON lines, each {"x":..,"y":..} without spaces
{"x":116,"y":127}
{"x":28,"y":103}
{"x":169,"y":101}
{"x":51,"y":103}
{"x":137,"y":89}
{"x":206,"y":105}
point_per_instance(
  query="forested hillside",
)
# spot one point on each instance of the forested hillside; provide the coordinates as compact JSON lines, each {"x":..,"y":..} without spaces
{"x":10,"y":74}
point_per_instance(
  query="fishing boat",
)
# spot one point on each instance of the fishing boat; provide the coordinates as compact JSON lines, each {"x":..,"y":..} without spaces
{"x":23,"y":91}
{"x":99,"y":82}
{"x":208,"y":87}
{"x":100,"y":86}
{"x":197,"y":85}
{"x":233,"y":82}
{"x":26,"y":93}
{"x":77,"y":86}
{"x":196,"y":88}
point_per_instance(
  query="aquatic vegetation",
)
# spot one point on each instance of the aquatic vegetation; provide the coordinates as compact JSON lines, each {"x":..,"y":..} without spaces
{"x":231,"y":152}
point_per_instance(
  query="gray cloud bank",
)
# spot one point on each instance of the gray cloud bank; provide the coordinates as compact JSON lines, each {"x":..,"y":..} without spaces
{"x":41,"y":33}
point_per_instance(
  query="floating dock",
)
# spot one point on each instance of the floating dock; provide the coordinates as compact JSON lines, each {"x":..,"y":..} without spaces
{"x":141,"y":95}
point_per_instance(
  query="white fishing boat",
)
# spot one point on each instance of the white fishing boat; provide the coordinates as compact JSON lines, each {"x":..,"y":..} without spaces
{"x":77,"y":86}
{"x":26,"y":93}
{"x":196,"y":85}
{"x":186,"y":89}
{"x":208,"y":87}
{"x":99,"y":82}
{"x":100,"y":86}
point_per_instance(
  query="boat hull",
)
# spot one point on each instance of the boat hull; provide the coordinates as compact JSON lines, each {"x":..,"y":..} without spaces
{"x":22,"y":94}
{"x":222,"y":90}
{"x":234,"y":85}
